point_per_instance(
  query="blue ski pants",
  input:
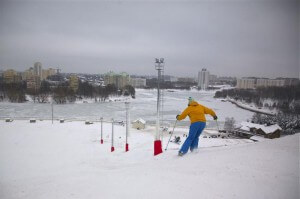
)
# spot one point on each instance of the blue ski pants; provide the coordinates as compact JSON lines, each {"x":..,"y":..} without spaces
{"x":192,"y":140}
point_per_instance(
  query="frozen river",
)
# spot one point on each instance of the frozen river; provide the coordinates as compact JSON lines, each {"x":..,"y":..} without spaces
{"x":144,"y":106}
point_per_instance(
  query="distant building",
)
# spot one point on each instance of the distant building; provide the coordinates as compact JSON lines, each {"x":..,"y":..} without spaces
{"x":38,"y":69}
{"x":203,"y":79}
{"x":74,"y":82}
{"x":138,"y":82}
{"x":33,"y":82}
{"x":120,"y":80}
{"x":139,"y":124}
{"x":48,"y":72}
{"x":213,"y":79}
{"x":186,"y":79}
{"x":269,"y":82}
{"x":11,"y":76}
{"x":245,"y":83}
{"x":291,"y":81}
{"x":56,"y":79}
{"x":29,"y":73}
{"x":251,"y":83}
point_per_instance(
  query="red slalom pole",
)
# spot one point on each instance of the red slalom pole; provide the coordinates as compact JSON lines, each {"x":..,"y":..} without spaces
{"x":127,"y":104}
{"x":101,"y":119}
{"x":112,"y":136}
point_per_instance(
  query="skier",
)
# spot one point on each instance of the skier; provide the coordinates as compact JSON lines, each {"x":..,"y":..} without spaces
{"x":196,"y":113}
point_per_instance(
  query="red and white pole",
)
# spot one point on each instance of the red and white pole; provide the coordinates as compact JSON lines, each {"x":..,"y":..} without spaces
{"x":159,"y":65}
{"x":112,"y":136}
{"x":101,"y":120}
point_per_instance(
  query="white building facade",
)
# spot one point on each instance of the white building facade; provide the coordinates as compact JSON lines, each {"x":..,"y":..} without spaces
{"x":251,"y":83}
{"x":245,"y":83}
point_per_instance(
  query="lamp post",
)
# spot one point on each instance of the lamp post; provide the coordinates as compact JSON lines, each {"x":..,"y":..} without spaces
{"x":159,"y":66}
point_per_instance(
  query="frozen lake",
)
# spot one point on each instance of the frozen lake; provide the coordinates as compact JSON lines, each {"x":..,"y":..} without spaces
{"x":144,"y":106}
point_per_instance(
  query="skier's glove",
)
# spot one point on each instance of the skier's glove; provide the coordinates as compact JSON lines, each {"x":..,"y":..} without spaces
{"x":177,"y":117}
{"x":215,"y":117}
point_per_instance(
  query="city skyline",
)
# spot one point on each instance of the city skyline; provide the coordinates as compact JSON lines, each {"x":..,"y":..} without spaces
{"x":237,"y":39}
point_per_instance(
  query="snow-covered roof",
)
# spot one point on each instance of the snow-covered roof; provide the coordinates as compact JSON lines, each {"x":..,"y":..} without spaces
{"x":245,"y":128}
{"x":266,"y":129}
{"x":140,"y":120}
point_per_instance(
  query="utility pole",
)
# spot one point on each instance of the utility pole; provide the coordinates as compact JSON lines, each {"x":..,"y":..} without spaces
{"x":159,"y":66}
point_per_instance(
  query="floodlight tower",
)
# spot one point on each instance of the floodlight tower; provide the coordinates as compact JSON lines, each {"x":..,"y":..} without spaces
{"x":159,"y":66}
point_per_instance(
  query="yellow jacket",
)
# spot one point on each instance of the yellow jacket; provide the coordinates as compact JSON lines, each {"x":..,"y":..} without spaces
{"x":196,"y":112}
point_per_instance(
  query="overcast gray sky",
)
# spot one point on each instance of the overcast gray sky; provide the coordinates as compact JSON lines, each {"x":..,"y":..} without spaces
{"x":232,"y":38}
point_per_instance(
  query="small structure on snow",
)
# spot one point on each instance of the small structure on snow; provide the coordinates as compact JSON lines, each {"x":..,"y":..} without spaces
{"x":87,"y":122}
{"x":139,"y":124}
{"x":8,"y":120}
{"x":33,"y":120}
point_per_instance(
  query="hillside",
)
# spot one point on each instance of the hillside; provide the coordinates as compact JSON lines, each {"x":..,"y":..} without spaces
{"x":44,"y":161}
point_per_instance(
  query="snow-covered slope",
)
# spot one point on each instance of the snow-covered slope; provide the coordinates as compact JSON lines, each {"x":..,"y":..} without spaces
{"x":44,"y":161}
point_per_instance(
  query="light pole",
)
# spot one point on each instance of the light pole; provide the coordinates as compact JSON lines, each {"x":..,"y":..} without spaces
{"x":127,"y":105}
{"x":159,"y":66}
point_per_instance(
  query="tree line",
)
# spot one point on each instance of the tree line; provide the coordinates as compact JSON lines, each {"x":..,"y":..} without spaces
{"x":61,"y":93}
{"x":286,"y":99}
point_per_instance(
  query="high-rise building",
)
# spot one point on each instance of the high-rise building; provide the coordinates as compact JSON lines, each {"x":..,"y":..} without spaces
{"x":120,"y":80}
{"x":38,"y":69}
{"x":203,"y":79}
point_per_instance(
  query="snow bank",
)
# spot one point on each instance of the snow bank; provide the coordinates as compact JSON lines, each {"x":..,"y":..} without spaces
{"x":66,"y":160}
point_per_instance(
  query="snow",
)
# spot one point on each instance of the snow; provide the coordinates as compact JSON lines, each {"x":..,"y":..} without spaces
{"x":257,"y":138}
{"x":266,"y":129}
{"x":252,"y":107}
{"x":66,"y":160}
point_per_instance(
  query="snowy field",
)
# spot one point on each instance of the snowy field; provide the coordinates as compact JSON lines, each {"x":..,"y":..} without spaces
{"x":144,"y":106}
{"x":66,"y":160}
